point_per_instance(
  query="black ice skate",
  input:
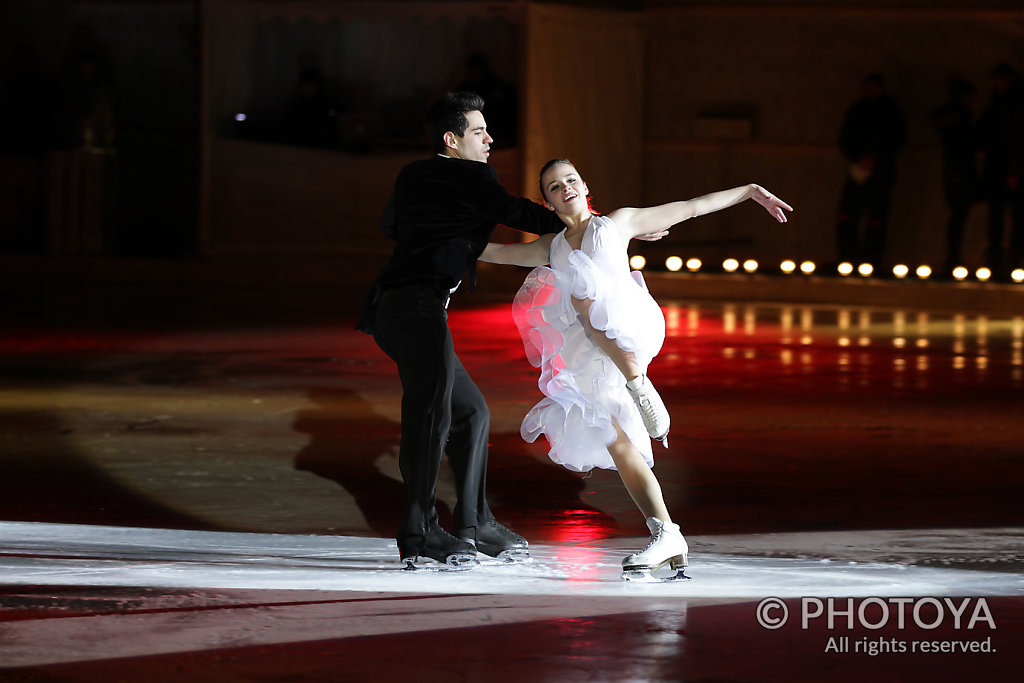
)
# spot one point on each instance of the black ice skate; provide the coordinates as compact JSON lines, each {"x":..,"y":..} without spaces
{"x":494,"y":540}
{"x":440,"y":546}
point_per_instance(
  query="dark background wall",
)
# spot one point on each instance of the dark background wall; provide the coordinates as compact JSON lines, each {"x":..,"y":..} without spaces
{"x":736,"y":91}
{"x":138,"y":193}
{"x":792,"y":69}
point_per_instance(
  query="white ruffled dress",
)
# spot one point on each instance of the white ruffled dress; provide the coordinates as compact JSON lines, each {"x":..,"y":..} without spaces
{"x":586,"y":393}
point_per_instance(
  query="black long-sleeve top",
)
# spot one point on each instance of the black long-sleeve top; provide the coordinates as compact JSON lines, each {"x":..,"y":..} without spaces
{"x":873,"y":127}
{"x":441,"y":216}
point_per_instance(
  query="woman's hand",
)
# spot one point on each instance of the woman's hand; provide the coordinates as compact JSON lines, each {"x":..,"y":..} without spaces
{"x":772,"y":204}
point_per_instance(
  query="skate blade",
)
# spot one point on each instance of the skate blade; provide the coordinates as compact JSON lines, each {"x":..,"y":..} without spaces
{"x":664,"y":440}
{"x":514,"y":556}
{"x":645,"y":576}
{"x":453,"y":563}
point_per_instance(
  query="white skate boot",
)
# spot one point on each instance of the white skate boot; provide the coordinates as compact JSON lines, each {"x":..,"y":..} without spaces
{"x":652,"y":408}
{"x":667,"y":546}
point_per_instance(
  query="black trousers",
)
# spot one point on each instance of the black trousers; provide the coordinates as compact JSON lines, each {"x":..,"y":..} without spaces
{"x":1000,"y":198}
{"x":442,"y":408}
{"x":873,"y":197}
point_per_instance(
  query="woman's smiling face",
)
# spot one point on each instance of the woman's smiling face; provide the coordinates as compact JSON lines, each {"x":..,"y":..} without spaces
{"x":564,"y":189}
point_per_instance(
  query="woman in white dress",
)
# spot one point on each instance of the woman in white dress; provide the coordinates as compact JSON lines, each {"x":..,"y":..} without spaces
{"x":592,"y":327}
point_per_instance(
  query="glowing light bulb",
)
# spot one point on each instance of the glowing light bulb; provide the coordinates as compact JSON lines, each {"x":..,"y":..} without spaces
{"x":924,"y":272}
{"x":845,"y":268}
{"x":983,"y":273}
{"x":693,"y":264}
{"x":787,"y":266}
{"x":750,"y":265}
{"x":807,"y":267}
{"x":730,"y":265}
{"x":865,"y":269}
{"x":637,"y":262}
{"x":1017,"y":275}
{"x":673,"y":263}
{"x":960,"y":272}
{"x":900,"y":270}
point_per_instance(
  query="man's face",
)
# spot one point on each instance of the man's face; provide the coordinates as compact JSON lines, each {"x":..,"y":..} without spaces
{"x":475,"y":143}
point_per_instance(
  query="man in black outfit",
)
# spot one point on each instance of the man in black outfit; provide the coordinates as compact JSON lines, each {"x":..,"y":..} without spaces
{"x":1001,"y":137}
{"x":872,"y":134}
{"x":441,"y":215}
{"x":954,"y":122}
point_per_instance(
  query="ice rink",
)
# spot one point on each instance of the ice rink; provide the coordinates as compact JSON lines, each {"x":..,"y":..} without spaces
{"x":218,"y":502}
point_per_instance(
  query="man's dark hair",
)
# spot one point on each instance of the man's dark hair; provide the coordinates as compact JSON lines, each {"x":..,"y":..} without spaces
{"x":449,"y":114}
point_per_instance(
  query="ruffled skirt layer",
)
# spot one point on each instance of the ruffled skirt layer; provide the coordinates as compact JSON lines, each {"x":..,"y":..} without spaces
{"x":585,"y":393}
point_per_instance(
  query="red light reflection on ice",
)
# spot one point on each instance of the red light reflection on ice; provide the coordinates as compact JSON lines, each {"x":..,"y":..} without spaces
{"x":579,"y":525}
{"x":578,"y":562}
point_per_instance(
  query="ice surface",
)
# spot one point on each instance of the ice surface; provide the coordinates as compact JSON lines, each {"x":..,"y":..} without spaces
{"x":274,"y":589}
{"x":78,"y":555}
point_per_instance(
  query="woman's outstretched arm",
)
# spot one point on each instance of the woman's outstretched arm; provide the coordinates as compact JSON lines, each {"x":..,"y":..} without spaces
{"x":634,"y":222}
{"x":535,"y":253}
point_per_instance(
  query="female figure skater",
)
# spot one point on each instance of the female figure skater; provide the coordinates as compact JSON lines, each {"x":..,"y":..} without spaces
{"x":592,"y":328}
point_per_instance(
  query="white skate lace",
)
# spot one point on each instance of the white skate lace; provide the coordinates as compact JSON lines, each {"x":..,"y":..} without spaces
{"x":654,"y":539}
{"x":648,"y":413}
{"x":647,"y":409}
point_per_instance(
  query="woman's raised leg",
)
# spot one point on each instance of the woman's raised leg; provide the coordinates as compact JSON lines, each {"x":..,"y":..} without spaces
{"x":648,"y":401}
{"x":625,"y":361}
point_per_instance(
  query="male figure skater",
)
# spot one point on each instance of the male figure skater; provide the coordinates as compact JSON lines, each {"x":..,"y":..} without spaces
{"x":441,"y":215}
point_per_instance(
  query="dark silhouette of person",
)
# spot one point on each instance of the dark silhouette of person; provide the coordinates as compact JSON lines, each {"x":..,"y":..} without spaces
{"x":953,"y":120}
{"x":29,"y":129}
{"x":312,"y":119}
{"x":871,"y":136}
{"x":91,"y":101}
{"x":1001,"y":141}
{"x":29,"y":106}
{"x":500,"y":96}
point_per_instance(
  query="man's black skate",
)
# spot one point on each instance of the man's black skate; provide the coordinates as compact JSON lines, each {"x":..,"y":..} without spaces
{"x":437,"y":545}
{"x":494,"y":540}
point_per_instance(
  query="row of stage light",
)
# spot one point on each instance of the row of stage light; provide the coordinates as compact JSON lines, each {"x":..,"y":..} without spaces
{"x":845,"y":269}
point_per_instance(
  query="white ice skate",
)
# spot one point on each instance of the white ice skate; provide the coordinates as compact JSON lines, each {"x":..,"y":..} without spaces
{"x":667,"y":546}
{"x":652,"y":408}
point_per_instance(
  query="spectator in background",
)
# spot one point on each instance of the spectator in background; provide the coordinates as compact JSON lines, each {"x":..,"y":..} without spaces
{"x":954,"y":122}
{"x":91,"y":102}
{"x":1001,"y":138}
{"x":29,"y":129}
{"x":312,"y":118}
{"x":29,"y":106}
{"x":872,"y":134}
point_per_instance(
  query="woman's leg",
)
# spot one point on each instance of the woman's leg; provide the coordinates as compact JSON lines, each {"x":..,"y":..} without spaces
{"x":652,"y":409}
{"x":625,"y":361}
{"x":639,"y":479}
{"x":667,"y":544}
